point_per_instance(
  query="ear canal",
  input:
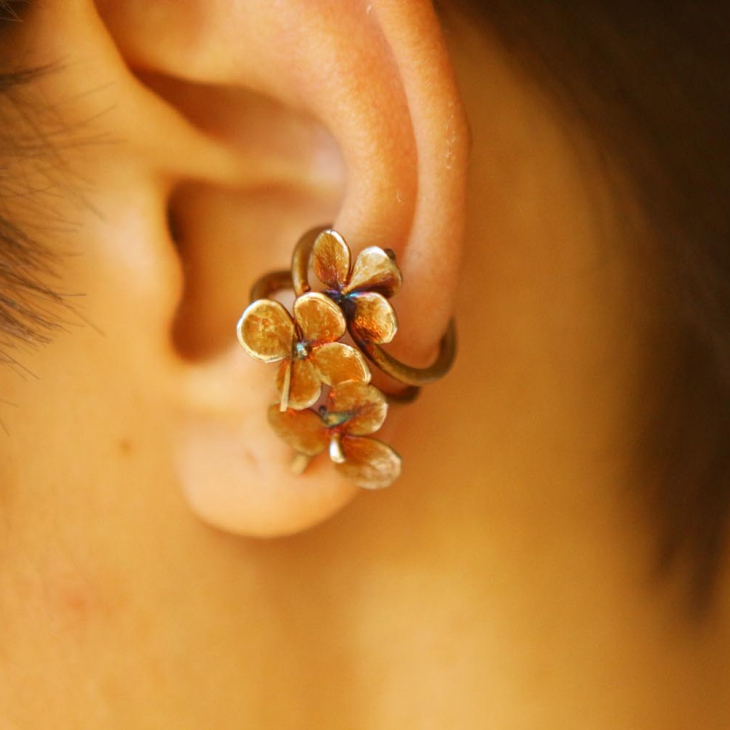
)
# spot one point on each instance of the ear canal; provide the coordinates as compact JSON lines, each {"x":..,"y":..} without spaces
{"x":330,"y":112}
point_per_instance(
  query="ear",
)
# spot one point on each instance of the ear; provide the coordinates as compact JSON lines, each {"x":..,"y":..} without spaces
{"x":257,"y":121}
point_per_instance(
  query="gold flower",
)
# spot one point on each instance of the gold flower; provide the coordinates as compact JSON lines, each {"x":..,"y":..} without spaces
{"x":361,"y":290}
{"x":353,"y":410}
{"x":306,"y":343}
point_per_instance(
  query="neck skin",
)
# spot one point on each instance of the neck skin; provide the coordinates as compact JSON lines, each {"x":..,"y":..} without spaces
{"x":503,"y":583}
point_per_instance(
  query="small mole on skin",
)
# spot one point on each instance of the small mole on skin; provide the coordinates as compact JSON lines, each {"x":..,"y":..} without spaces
{"x":125,"y":446}
{"x":74,"y":601}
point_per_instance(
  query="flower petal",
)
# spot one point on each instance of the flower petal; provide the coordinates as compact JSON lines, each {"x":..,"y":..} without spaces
{"x":374,"y":319}
{"x":375,"y":270}
{"x":319,"y":318}
{"x":359,"y":407}
{"x":331,"y":259}
{"x":369,"y":463}
{"x":337,"y":362}
{"x":266,"y":330}
{"x":302,"y":430}
{"x":305,"y":384}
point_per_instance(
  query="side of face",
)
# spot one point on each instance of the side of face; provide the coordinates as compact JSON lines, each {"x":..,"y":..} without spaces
{"x":187,"y":147}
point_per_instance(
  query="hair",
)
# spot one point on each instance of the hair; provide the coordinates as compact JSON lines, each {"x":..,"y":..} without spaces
{"x":28,"y":305}
{"x":650,"y":82}
{"x":25,"y":261}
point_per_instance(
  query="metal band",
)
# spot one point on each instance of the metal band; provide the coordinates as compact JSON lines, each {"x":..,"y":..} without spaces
{"x":300,"y":260}
{"x":270,"y":283}
{"x":407,"y":374}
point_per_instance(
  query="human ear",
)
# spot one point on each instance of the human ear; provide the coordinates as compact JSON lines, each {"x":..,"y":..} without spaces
{"x":253,"y":122}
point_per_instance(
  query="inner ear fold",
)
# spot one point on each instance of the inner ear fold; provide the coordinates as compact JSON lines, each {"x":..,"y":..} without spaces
{"x":289,"y":176}
{"x":278,"y":145}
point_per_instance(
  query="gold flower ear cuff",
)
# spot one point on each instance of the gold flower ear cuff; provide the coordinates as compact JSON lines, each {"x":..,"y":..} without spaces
{"x":316,"y":367}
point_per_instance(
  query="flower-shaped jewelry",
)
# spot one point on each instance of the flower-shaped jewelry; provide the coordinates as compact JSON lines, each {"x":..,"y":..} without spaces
{"x":305,"y":343}
{"x":354,"y":299}
{"x":361,"y":290}
{"x":353,"y":411}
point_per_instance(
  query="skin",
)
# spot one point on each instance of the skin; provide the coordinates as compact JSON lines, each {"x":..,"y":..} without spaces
{"x":161,"y":568}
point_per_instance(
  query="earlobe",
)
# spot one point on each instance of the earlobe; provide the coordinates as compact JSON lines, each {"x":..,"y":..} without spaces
{"x":376,"y":77}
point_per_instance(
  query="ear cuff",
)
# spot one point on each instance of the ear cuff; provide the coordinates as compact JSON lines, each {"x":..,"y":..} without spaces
{"x":350,"y":298}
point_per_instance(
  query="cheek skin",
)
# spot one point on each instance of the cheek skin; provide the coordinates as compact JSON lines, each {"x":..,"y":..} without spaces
{"x":69,"y":600}
{"x":104,"y":554}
